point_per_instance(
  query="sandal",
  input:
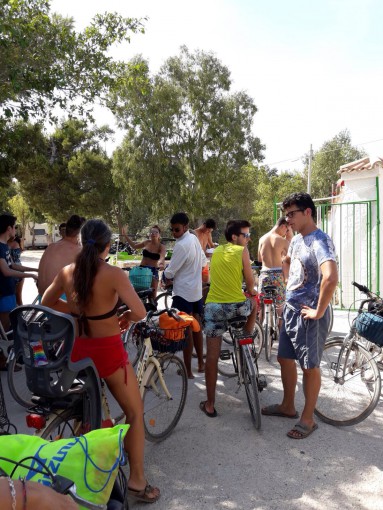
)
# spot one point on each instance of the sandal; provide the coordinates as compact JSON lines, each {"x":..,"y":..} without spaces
{"x":143,"y":494}
{"x":301,"y":431}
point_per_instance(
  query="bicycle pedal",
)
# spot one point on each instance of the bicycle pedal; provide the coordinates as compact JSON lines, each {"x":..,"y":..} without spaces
{"x":262,"y":383}
{"x":225,"y":354}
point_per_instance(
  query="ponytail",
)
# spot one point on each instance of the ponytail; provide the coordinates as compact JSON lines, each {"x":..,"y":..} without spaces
{"x":95,"y":235}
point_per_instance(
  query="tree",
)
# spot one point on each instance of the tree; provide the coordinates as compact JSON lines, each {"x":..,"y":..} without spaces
{"x":327,"y":160}
{"x":188,"y":138}
{"x":45,"y":63}
{"x":69,"y":174}
{"x":20,"y":209}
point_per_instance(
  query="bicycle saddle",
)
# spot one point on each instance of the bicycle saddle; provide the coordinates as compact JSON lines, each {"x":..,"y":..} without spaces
{"x":270,"y":289}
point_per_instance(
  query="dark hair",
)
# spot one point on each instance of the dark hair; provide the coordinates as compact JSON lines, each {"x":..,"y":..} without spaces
{"x":62,"y":225}
{"x":233,"y":227}
{"x":281,"y":221}
{"x":181,"y":218}
{"x":95,"y":235}
{"x":210,"y":223}
{"x":73,"y":225}
{"x":302,"y":201}
{"x":157,"y":227}
{"x":6,"y":220}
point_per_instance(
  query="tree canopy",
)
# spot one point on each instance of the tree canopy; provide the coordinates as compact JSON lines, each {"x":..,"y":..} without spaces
{"x":45,"y":63}
{"x":327,"y":160}
{"x":188,"y":137}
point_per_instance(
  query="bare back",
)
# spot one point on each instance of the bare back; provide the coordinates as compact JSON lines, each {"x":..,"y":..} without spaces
{"x":272,"y":249}
{"x":55,"y":257}
{"x":204,"y":237}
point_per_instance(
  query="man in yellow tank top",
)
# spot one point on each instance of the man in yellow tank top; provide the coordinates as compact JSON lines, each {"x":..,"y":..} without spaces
{"x":230,"y":265}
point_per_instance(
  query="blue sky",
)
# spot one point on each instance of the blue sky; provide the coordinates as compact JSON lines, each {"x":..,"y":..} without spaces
{"x":313,"y":67}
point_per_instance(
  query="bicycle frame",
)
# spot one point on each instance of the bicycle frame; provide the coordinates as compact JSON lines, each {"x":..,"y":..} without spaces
{"x":142,"y":373}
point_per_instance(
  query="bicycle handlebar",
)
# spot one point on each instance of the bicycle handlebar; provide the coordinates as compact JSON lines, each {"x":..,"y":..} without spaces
{"x":362,"y":288}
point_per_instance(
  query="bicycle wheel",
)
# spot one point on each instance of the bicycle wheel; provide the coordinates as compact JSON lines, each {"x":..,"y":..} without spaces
{"x":267,"y":332}
{"x":351,"y":396}
{"x":331,"y":323}
{"x":271,"y":332}
{"x":133,"y":341}
{"x":162,"y":414}
{"x":17,"y":383}
{"x":226,"y":364}
{"x":250,"y":381}
{"x":66,"y":424}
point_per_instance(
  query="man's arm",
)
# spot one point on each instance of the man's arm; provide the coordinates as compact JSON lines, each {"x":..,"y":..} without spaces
{"x":259,"y":251}
{"x":7,"y":271}
{"x":327,"y":287}
{"x":210,"y":243}
{"x":176,"y":262}
{"x":286,"y":261}
{"x":248,"y":272}
{"x":19,"y":267}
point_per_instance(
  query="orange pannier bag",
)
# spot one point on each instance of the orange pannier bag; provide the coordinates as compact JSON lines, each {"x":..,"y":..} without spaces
{"x":175,"y":330}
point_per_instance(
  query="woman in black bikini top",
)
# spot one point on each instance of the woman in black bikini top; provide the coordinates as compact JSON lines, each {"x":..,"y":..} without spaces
{"x":153,"y":254}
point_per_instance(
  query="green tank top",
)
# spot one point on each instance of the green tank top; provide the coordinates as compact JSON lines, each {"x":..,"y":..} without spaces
{"x":226,"y":275}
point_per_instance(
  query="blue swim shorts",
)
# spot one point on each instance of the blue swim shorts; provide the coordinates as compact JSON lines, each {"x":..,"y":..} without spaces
{"x":303,"y":339}
{"x":216,"y":316}
{"x":190,"y":307}
{"x":154,"y":270}
{"x":7,"y":303}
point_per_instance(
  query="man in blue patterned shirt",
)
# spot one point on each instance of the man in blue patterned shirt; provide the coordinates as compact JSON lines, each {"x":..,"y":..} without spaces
{"x":311,"y":273}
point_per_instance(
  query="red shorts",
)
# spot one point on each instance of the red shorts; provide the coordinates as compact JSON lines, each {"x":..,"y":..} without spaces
{"x":108,"y":353}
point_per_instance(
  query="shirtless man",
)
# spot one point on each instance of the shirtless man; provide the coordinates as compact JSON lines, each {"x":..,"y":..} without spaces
{"x":60,"y":254}
{"x":272,"y":249}
{"x":203,"y":234}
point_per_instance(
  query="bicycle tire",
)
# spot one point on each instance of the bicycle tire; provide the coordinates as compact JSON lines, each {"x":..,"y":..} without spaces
{"x":352,"y":400}
{"x":66,"y":424}
{"x":331,"y":323}
{"x":168,"y":298}
{"x":250,"y":381}
{"x":17,"y":383}
{"x":161,"y":414}
{"x":133,"y":342}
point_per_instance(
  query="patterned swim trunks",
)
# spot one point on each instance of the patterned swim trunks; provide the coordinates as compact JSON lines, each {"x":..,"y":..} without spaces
{"x":217,"y":314}
{"x":274,"y":277}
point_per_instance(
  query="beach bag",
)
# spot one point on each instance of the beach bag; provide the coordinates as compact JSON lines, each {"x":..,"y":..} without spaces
{"x":141,"y":277}
{"x":370,"y":327}
{"x":92,"y":461}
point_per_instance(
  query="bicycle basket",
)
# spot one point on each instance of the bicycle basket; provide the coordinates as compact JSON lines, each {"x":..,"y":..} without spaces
{"x":141,"y":277}
{"x":168,"y":340}
{"x":370,"y":327}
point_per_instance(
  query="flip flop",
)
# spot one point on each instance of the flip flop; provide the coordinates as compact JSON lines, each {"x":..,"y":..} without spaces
{"x":143,"y":494}
{"x":302,"y":429}
{"x":274,"y":410}
{"x":203,"y":409}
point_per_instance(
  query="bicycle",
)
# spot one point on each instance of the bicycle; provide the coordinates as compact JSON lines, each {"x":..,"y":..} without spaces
{"x":351,"y":381}
{"x":242,"y":362}
{"x":161,"y":375}
{"x":270,"y":319}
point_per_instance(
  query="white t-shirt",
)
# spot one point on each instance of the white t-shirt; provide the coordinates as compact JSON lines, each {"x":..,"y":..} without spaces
{"x":185,"y":268}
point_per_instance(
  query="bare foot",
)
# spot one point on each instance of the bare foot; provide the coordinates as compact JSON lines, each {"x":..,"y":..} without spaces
{"x":201,"y":368}
{"x":191,"y":376}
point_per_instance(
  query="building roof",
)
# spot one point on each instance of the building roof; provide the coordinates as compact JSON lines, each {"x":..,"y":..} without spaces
{"x":361,"y":164}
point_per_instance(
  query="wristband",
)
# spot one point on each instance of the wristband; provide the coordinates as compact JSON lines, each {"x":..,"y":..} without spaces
{"x":13,"y":492}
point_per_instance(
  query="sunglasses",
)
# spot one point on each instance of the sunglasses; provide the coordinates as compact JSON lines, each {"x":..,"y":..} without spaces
{"x":246,"y":236}
{"x":175,"y":229}
{"x":154,"y":232}
{"x":290,"y":214}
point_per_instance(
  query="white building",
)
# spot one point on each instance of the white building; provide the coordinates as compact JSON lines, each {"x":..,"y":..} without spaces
{"x":355,"y":226}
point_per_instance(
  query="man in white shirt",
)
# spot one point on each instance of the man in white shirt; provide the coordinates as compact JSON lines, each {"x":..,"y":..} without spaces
{"x":185,"y":269}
